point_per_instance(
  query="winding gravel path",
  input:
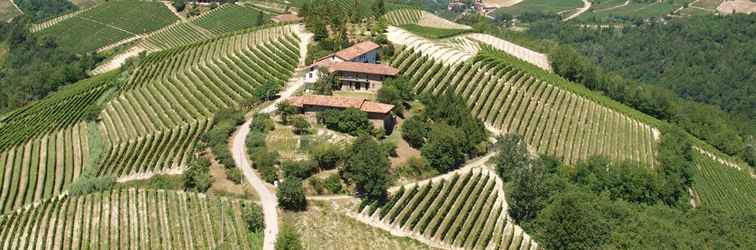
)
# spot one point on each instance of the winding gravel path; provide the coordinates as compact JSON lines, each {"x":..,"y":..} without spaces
{"x":239,"y":152}
{"x":586,"y":6}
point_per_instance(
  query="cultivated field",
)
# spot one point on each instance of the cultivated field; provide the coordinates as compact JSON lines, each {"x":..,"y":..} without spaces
{"x":325,"y":225}
{"x":59,"y":111}
{"x":106,"y":23}
{"x":128,"y":219}
{"x":420,"y":17}
{"x":42,"y":168}
{"x":173,"y":95}
{"x":722,"y":186}
{"x":634,"y":9}
{"x":226,"y":18}
{"x":512,"y":96}
{"x":462,"y":210}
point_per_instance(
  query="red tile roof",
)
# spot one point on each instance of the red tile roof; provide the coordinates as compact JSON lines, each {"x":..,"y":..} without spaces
{"x":367,"y":68}
{"x":287,"y":18}
{"x":357,"y":50}
{"x":341,"y":102}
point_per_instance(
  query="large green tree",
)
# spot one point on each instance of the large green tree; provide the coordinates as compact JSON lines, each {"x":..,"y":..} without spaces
{"x":367,"y":166}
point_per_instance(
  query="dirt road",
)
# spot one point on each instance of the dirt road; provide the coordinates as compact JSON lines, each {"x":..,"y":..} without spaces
{"x":239,"y":153}
{"x":586,"y":7}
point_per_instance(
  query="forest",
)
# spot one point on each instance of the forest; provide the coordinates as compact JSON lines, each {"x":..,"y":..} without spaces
{"x":34,"y":66}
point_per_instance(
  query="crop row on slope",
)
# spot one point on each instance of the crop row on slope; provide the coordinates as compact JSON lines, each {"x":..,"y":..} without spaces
{"x":107,"y":23}
{"x":169,"y":100}
{"x":552,"y":120}
{"x":422,"y":18}
{"x":41,"y":168}
{"x":60,"y":110}
{"x":723,"y":187}
{"x":224,"y":19}
{"x":129,"y":219}
{"x":466,"y":210}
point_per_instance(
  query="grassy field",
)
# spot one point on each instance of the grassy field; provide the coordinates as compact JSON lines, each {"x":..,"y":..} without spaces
{"x":325,"y":226}
{"x":548,"y":6}
{"x":7,"y":10}
{"x":86,"y":3}
{"x":355,"y":94}
{"x":433,"y":33}
{"x":708,"y":4}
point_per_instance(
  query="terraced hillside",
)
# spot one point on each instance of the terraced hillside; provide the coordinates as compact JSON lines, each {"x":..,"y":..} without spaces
{"x":506,"y":94}
{"x":107,"y":23}
{"x":226,"y":18}
{"x":420,"y":17}
{"x":59,"y":111}
{"x":128,"y":219}
{"x":172,"y":97}
{"x":727,"y":187}
{"x":466,"y":209}
{"x":42,"y":168}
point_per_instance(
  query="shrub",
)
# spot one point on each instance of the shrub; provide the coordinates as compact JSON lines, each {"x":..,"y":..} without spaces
{"x":326,"y":155}
{"x":288,"y":239}
{"x":351,"y":121}
{"x":414,"y":131}
{"x":197,"y":175}
{"x":268,"y":173}
{"x":285,"y":110}
{"x":291,"y":195}
{"x":298,"y":169}
{"x":89,"y":183}
{"x":333,"y":184}
{"x":261,"y":157}
{"x":267,"y":90}
{"x":301,"y":125}
{"x":261,"y":122}
{"x":256,"y":139}
{"x":234,"y":174}
{"x":253,"y":215}
{"x":416,"y":167}
{"x":317,"y":185}
{"x":389,"y":148}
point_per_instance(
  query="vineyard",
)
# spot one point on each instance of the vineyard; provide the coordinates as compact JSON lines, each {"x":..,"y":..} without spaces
{"x":422,"y":18}
{"x":106,"y":23}
{"x":466,"y":209}
{"x":169,"y":101}
{"x":59,"y":111}
{"x":509,"y":98}
{"x":721,"y":186}
{"x":128,"y":219}
{"x":41,"y":168}
{"x":226,"y":18}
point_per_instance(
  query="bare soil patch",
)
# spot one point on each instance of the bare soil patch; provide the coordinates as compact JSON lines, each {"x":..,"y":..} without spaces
{"x":737,"y":6}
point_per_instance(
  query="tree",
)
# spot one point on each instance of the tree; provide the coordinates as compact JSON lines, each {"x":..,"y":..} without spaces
{"x":367,"y":166}
{"x":325,"y":83}
{"x":379,"y":8}
{"x":301,"y":125}
{"x":445,"y":149}
{"x":180,"y":5}
{"x":291,"y":195}
{"x":261,"y":122}
{"x":197,"y":175}
{"x":267,"y":90}
{"x":573,"y":221}
{"x":513,"y":155}
{"x":285,"y":109}
{"x":529,"y":193}
{"x":414,"y":131}
{"x":260,"y":18}
{"x":350,"y":120}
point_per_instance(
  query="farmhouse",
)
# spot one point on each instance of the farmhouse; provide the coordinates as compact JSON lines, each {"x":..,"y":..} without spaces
{"x":378,"y":113}
{"x":355,"y":68}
